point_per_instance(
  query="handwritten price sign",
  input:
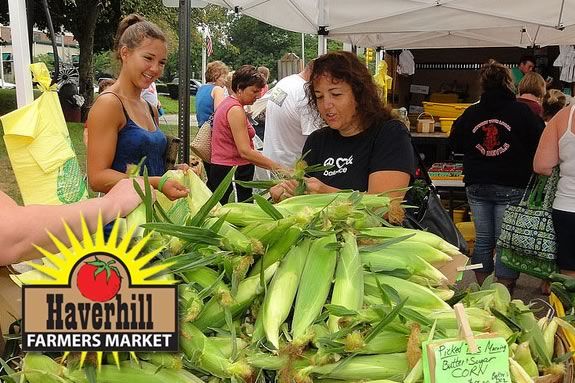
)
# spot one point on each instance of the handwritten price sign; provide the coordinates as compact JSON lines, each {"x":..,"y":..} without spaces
{"x":452,"y":362}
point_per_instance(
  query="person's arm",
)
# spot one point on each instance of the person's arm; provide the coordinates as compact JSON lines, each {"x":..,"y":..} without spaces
{"x":104,"y":121}
{"x":547,"y":154}
{"x":218,"y":96}
{"x":237,"y":121}
{"x":21,"y":227}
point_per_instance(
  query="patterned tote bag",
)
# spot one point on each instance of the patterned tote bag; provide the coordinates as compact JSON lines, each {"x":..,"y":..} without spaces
{"x":527,"y":240}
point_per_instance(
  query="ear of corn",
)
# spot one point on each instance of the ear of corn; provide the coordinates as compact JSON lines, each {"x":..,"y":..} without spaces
{"x":417,"y":296}
{"x":348,"y":285}
{"x":243,"y":213}
{"x":412,"y":263}
{"x":416,"y":236}
{"x":199,"y":349}
{"x":276,"y":251}
{"x":282,"y":290}
{"x":314,"y":285}
{"x":518,"y":374}
{"x":370,"y":367}
{"x":213,"y":314}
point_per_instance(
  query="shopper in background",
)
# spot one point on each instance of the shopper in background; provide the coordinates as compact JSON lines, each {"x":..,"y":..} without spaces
{"x":123,"y":127}
{"x":211,"y":94}
{"x":498,"y":137}
{"x":553,"y":101}
{"x":557,"y":147}
{"x":265,"y":72}
{"x":531,"y":90}
{"x":289,"y":119}
{"x":368,"y":150}
{"x":232,"y":134}
{"x":526,"y":65}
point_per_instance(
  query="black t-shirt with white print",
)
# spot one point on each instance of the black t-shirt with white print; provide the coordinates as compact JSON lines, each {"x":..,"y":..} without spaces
{"x":384,"y":146}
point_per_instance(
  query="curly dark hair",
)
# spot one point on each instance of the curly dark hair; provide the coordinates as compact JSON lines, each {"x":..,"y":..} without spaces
{"x":345,"y":66}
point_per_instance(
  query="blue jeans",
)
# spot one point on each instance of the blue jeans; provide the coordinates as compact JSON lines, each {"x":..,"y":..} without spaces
{"x":488,"y":203}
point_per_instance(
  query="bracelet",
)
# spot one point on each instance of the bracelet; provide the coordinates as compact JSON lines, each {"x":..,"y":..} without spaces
{"x":162,"y":182}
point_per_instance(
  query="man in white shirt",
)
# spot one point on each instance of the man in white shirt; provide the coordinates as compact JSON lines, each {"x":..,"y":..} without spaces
{"x":289,"y":120}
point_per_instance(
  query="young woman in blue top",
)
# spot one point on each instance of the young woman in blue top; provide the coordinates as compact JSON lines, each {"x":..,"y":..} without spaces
{"x":123,"y":127}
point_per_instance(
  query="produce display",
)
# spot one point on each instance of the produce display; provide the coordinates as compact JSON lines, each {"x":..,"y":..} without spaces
{"x":314,"y":288}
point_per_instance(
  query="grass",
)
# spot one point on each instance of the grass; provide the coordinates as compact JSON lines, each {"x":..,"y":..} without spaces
{"x":171,"y":106}
{"x":7,"y":179}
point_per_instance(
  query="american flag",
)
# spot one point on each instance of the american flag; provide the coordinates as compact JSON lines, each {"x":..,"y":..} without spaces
{"x":209,"y":46}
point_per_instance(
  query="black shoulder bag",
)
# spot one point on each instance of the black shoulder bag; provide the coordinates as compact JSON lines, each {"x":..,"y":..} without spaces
{"x":432,"y":216}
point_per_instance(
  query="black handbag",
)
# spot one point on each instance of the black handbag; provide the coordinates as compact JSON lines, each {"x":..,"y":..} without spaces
{"x":430,"y":215}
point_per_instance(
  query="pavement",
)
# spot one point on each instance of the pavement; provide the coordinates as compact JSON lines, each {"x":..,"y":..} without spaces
{"x":172,"y":119}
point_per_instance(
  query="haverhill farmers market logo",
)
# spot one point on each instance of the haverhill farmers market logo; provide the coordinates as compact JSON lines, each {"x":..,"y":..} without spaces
{"x":100,"y":296}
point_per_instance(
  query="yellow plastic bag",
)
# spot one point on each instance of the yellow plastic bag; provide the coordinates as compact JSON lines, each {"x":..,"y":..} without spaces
{"x":383,"y":80}
{"x":40,"y":150}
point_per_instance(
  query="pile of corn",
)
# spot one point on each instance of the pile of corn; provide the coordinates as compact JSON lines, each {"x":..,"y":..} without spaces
{"x":314,"y":287}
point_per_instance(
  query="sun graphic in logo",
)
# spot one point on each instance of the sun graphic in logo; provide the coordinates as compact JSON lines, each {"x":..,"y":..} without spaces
{"x":63,"y":264}
{"x":97,"y":271}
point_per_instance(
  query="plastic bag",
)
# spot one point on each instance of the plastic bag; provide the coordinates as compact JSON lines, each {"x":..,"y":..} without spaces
{"x":40,"y":150}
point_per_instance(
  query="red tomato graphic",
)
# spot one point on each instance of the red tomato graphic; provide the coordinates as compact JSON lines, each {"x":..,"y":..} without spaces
{"x":98,"y":280}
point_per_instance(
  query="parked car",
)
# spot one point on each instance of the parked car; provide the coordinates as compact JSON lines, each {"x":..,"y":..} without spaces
{"x":173,"y":87}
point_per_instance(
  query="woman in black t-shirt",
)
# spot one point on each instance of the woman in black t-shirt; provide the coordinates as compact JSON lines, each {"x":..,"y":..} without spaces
{"x":368,"y":151}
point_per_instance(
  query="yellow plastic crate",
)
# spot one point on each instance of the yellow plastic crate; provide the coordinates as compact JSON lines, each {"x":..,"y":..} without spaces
{"x":444,"y":110}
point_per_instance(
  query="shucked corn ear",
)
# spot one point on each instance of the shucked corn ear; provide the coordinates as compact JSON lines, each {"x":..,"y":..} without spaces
{"x":314,"y":284}
{"x":348,"y":284}
{"x":282,"y":290}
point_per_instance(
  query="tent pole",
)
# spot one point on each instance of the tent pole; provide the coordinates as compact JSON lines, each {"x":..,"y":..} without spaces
{"x":20,"y":51}
{"x":184,"y":80}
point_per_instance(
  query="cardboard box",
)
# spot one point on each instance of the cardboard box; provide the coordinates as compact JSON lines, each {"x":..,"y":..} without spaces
{"x":10,"y":300}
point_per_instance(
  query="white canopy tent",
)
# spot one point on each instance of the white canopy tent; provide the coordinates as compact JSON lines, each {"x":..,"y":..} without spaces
{"x":394,"y":24}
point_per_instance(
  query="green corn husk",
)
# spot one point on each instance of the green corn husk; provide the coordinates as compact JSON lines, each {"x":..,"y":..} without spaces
{"x":277,"y":250}
{"x":416,"y":236}
{"x":549,"y":336}
{"x":190,"y":303}
{"x":417,"y":296}
{"x":38,"y":368}
{"x":213,"y":314}
{"x":269,"y":232}
{"x":414,"y":265}
{"x":163,"y":359}
{"x":370,"y":367}
{"x":282,"y":291}
{"x":522,"y":355}
{"x":234,"y":240}
{"x":224,"y":344}
{"x":130,"y":372}
{"x":348,"y":285}
{"x":518,"y":374}
{"x":206,"y":355}
{"x":386,"y":342}
{"x":242,"y":214}
{"x":314,"y":285}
